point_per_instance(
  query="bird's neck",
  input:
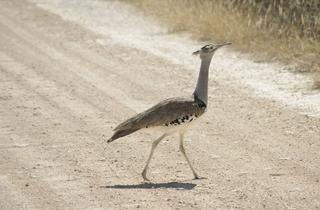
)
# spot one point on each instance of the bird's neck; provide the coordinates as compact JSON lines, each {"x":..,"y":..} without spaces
{"x":201,"y":91}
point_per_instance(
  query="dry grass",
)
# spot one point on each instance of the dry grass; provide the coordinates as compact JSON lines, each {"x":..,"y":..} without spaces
{"x":279,"y":30}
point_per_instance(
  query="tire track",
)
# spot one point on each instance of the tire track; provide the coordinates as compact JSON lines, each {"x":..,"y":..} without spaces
{"x":34,"y":86}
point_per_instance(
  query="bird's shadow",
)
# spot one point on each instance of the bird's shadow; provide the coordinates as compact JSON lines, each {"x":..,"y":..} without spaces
{"x":147,"y":185}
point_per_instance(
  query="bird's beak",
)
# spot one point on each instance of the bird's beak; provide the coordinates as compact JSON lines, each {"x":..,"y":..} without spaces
{"x":196,"y":52}
{"x":224,"y":44}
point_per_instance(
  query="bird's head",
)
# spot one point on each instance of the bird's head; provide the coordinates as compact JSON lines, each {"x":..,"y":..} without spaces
{"x":208,"y":50}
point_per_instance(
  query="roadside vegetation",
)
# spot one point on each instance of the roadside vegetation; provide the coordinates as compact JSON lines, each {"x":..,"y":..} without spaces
{"x":274,"y":30}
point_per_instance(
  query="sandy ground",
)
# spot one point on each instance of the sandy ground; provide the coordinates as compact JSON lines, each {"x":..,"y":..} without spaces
{"x":61,"y":93}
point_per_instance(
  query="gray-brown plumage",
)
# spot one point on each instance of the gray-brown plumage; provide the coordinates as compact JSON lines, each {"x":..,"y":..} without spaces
{"x":175,"y":114}
{"x":158,"y":115}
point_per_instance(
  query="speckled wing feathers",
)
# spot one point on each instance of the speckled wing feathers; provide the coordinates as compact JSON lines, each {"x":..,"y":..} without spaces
{"x":163,"y":113}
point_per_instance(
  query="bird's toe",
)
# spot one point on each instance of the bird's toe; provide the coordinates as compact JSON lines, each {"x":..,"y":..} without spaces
{"x":144,"y":176}
{"x":199,"y":177}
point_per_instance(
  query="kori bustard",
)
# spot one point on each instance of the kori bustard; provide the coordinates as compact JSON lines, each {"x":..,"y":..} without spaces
{"x":174,"y":114}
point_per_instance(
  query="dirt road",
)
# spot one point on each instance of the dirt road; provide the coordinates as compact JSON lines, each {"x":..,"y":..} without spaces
{"x":61,"y":93}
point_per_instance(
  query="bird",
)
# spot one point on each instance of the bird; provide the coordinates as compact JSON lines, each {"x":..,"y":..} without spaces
{"x":174,"y":115}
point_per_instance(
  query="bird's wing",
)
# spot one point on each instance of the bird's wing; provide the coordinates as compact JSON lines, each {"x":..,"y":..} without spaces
{"x":162,"y":113}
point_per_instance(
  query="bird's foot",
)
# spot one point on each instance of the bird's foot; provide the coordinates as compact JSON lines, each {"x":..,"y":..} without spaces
{"x":144,"y":176}
{"x":198,"y":177}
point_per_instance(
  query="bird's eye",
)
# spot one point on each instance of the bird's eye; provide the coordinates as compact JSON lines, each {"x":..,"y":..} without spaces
{"x":208,"y":48}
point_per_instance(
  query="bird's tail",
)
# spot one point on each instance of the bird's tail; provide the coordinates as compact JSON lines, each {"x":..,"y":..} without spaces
{"x":121,"y":133}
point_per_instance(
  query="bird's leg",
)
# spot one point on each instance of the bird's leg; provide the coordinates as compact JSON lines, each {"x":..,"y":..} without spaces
{"x":154,"y":145}
{"x":185,"y":155}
